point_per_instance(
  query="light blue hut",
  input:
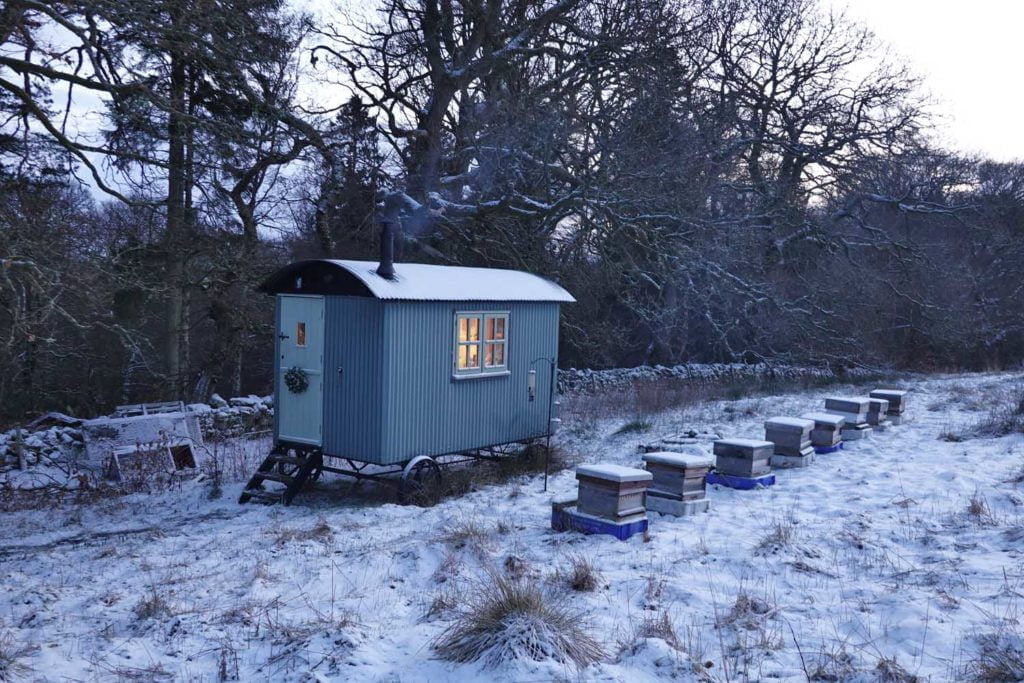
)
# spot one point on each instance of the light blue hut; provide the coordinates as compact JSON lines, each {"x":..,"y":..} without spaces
{"x":398,"y":369}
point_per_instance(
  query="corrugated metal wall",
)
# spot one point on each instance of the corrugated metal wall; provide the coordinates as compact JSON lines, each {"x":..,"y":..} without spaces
{"x":353,"y":397}
{"x":428,"y":412}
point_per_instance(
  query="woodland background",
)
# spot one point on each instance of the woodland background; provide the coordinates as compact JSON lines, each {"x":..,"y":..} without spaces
{"x":714,"y":180}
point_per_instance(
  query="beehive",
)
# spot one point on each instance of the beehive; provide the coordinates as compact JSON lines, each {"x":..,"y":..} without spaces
{"x":612,"y":492}
{"x":854,"y":409}
{"x":827,"y":431}
{"x":743,"y":457}
{"x":681,"y":476}
{"x":897,"y":399}
{"x":791,"y":435}
{"x":877,"y":410}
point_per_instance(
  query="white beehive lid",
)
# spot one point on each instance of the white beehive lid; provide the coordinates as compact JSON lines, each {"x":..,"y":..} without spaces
{"x":680,"y":460}
{"x":882,"y":393}
{"x":825,"y":418}
{"x":616,"y":473}
{"x":789,"y":423}
{"x":746,"y":443}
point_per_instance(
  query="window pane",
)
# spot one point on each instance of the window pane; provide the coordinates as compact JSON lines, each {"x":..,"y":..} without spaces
{"x":463,"y":329}
{"x":463,"y":356}
{"x":489,"y":329}
{"x":474,"y":329}
{"x":494,"y":355}
{"x":499,"y":328}
{"x":300,"y":334}
{"x":473,"y":351}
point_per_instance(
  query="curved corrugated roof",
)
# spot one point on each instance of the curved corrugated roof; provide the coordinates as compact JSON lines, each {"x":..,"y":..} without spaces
{"x":424,"y":282}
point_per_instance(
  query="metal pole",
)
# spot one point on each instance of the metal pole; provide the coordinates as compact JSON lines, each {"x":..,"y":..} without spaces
{"x":551,"y":403}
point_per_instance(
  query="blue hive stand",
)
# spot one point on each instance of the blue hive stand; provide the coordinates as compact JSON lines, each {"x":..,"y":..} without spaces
{"x":741,"y":483}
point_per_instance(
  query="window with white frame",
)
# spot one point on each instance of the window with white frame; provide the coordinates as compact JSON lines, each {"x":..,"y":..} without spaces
{"x":481,"y":343}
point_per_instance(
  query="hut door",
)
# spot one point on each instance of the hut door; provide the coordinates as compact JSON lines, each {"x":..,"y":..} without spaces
{"x":300,"y":369}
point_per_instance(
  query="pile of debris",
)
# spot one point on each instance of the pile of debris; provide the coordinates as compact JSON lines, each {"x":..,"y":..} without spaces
{"x":59,"y":438}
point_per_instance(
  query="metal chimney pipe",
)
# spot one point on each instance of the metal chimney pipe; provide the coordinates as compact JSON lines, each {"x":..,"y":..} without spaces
{"x":386,"y":269}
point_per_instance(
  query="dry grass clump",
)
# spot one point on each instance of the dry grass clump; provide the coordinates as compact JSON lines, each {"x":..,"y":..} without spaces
{"x":779,"y":535}
{"x":12,"y":656}
{"x":321,"y":531}
{"x":634,"y":427}
{"x":579,"y":573}
{"x":1006,"y":415}
{"x":465,"y":532}
{"x":151,"y":606}
{"x":659,"y":626}
{"x":889,"y":670}
{"x":1000,"y":657}
{"x":978,"y":510}
{"x":505,"y":620}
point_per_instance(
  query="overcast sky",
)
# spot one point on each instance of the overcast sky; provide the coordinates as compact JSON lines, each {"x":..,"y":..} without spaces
{"x":969,"y":53}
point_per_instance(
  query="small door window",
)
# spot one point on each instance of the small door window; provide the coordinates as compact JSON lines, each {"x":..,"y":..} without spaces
{"x":300,"y":334}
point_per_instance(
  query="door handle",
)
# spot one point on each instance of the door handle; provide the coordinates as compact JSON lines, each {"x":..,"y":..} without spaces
{"x":339,"y":373}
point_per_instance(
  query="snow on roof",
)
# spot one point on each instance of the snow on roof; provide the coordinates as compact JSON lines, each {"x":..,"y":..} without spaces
{"x":423,"y":282}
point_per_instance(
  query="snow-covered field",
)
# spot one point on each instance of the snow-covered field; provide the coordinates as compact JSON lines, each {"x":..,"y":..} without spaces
{"x":898,"y":553}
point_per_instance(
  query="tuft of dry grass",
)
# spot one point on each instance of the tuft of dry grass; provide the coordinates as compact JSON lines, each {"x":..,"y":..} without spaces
{"x":978,"y":510}
{"x":780,"y":534}
{"x":659,"y":626}
{"x":505,"y":619}
{"x":465,"y":532}
{"x":151,"y":606}
{"x":321,"y":531}
{"x":889,"y":670}
{"x":12,"y":658}
{"x":634,"y":427}
{"x":579,"y":573}
{"x":1000,"y":657}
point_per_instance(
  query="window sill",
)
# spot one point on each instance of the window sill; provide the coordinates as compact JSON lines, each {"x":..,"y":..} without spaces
{"x":481,"y":375}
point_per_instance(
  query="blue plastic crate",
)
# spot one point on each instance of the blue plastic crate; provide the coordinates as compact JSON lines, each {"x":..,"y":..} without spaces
{"x":741,"y":483}
{"x":567,"y":518}
{"x":822,"y":450}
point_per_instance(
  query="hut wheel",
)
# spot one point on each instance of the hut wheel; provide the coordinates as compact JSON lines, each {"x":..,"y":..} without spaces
{"x":421,"y":481}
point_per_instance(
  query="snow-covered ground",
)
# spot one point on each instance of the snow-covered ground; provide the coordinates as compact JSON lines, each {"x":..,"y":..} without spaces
{"x":871,"y":555}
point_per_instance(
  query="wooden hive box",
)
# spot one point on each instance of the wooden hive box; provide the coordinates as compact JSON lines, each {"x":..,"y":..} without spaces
{"x":897,"y":399}
{"x":791,"y":435}
{"x":678,"y":475}
{"x":612,"y":492}
{"x":877,"y":409}
{"x":854,"y":409}
{"x":743,"y":457}
{"x":827,"y":430}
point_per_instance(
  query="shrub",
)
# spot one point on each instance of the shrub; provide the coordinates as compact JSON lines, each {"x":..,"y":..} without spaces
{"x":506,"y":619}
{"x":634,"y":427}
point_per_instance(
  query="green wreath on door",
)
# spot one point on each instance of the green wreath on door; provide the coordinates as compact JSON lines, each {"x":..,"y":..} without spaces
{"x":296,"y":380}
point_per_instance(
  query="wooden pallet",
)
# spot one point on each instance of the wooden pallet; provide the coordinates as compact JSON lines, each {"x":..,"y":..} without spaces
{"x":293,"y":471}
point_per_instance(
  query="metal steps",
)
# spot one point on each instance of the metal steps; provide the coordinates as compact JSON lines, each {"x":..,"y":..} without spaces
{"x":293,"y":471}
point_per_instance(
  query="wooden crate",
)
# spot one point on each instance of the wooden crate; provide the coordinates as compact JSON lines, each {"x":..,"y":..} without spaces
{"x":612,"y":492}
{"x":678,"y":474}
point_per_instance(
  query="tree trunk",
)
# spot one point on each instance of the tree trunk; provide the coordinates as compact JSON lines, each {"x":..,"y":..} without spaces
{"x":175,"y":233}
